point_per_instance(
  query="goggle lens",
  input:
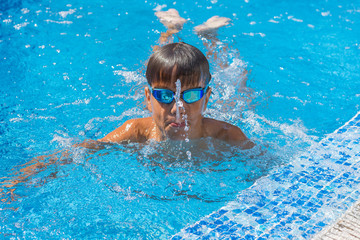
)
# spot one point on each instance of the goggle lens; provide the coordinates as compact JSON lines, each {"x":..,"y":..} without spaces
{"x":163,"y":95}
{"x":193,"y":95}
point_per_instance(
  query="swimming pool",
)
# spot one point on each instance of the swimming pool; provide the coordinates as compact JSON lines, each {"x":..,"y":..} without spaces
{"x":72,"y":71}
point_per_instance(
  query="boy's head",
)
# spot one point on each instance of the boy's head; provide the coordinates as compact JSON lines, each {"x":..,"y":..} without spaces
{"x":178,"y":119}
{"x":178,"y":61}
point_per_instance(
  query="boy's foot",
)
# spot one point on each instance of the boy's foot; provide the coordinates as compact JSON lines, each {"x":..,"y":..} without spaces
{"x":171,"y":19}
{"x":211,"y":26}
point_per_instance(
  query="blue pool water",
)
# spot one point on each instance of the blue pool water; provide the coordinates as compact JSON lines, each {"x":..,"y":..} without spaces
{"x":74,"y":70}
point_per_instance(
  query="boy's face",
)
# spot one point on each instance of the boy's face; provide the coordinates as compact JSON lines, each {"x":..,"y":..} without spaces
{"x":189,"y":123}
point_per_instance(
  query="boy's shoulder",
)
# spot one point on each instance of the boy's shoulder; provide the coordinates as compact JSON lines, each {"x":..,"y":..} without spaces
{"x":223,"y":131}
{"x":134,"y":130}
{"x":141,"y":122}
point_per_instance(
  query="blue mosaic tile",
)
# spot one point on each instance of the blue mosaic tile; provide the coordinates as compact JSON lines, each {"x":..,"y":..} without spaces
{"x":234,"y":237}
{"x":222,"y":228}
{"x":249,"y":237}
{"x":176,"y":238}
{"x":251,"y":210}
{"x":261,"y":221}
{"x":305,"y":196}
{"x":195,"y":230}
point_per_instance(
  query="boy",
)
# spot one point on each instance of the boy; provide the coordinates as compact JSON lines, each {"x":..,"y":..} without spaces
{"x":178,"y":77}
{"x":185,"y":65}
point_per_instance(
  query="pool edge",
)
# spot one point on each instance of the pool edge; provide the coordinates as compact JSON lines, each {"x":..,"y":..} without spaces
{"x":346,"y":227}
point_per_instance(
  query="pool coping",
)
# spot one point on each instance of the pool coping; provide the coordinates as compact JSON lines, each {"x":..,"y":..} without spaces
{"x":346,"y":227}
{"x":296,"y":201}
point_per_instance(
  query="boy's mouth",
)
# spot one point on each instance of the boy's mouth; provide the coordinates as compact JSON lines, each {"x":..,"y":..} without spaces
{"x":177,"y":125}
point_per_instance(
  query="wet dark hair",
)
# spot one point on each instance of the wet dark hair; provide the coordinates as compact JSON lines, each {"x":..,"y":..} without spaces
{"x":178,"y":61}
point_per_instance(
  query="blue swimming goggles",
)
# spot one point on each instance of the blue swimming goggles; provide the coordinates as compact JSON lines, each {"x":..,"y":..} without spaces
{"x":189,"y":96}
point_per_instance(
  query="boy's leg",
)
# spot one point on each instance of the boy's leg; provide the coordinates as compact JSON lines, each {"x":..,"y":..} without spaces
{"x":172,"y":20}
{"x":208,"y":32}
{"x":209,"y":28}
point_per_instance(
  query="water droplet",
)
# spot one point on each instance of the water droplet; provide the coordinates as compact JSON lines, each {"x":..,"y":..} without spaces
{"x":188,"y":153}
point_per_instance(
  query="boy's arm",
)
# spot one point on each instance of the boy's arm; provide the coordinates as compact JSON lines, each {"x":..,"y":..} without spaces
{"x":237,"y":137}
{"x":130,"y":131}
{"x":39,"y":164}
{"x":28,"y":169}
{"x":120,"y":134}
{"x":228,"y":133}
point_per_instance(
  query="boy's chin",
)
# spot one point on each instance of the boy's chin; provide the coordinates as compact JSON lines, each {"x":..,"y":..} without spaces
{"x":176,"y":134}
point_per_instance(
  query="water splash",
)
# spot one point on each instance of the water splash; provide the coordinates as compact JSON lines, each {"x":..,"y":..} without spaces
{"x":177,"y":99}
{"x":180,"y":105}
{"x":186,"y":128}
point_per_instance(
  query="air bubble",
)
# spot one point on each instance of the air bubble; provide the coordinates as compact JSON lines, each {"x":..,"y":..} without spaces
{"x":188,"y":153}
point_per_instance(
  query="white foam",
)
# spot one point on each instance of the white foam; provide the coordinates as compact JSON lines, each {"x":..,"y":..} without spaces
{"x":64,"y":142}
{"x":21,"y":25}
{"x":58,"y":22}
{"x":25,"y":10}
{"x":130,"y":76}
{"x":159,"y":7}
{"x":76,"y":102}
{"x":64,"y":14}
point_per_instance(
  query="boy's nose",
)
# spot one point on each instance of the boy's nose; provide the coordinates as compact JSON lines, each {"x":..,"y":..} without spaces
{"x":177,"y":105}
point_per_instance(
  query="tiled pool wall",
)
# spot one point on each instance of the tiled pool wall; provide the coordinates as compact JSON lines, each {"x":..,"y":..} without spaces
{"x":297,"y":200}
